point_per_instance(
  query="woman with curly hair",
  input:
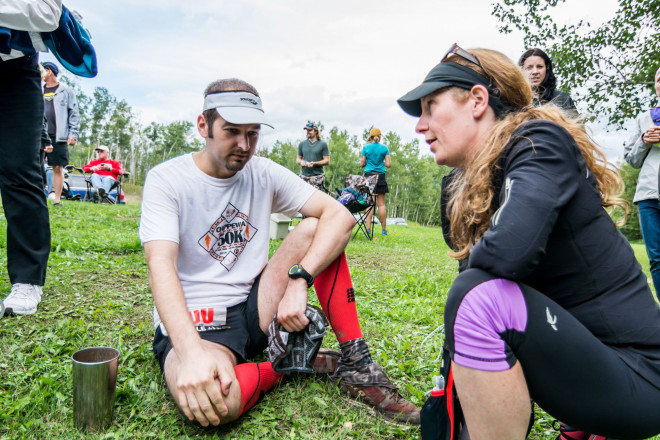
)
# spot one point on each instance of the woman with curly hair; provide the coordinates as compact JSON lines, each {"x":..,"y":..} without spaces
{"x":538,"y":67}
{"x":551,"y":304}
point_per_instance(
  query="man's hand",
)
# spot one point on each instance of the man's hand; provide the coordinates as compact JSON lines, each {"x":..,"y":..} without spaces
{"x":202,"y":385}
{"x":48,"y":148}
{"x":71,"y":141}
{"x":291,"y":311}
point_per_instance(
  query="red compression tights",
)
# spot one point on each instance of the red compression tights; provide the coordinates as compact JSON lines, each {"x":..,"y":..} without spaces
{"x":334,"y":289}
{"x":254,"y":380}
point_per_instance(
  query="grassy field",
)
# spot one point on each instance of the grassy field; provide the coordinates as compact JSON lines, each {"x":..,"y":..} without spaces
{"x":97,"y":294}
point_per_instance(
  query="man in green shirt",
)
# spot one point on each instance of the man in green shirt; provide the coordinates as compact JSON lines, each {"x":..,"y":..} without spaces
{"x":313,"y":153}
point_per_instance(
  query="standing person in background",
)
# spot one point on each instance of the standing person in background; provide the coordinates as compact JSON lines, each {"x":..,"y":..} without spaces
{"x":61,"y":109}
{"x":643,"y":151}
{"x":21,"y":121}
{"x":313,"y":153}
{"x":46,"y":147}
{"x":375,"y":158}
{"x":537,"y":66}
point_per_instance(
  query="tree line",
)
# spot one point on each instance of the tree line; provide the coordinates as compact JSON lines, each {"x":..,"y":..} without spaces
{"x":414,"y":179}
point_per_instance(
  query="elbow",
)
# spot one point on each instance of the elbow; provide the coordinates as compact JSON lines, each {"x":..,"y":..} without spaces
{"x":632,"y":161}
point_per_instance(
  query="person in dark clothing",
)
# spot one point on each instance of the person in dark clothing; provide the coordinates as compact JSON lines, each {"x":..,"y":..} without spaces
{"x":538,"y":67}
{"x":46,"y":147}
{"x":550,"y":304}
{"x":21,"y":121}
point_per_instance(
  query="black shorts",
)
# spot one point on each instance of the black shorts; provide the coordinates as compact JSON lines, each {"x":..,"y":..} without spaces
{"x":569,"y":372}
{"x":243,"y":335}
{"x":381,"y":185}
{"x":59,"y":156}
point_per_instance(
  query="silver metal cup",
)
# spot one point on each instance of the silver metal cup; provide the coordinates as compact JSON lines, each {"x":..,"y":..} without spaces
{"x":94,"y":379}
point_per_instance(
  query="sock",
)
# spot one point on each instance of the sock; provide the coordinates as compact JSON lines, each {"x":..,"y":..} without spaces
{"x":255,"y":380}
{"x":334,"y":289}
{"x":355,"y":353}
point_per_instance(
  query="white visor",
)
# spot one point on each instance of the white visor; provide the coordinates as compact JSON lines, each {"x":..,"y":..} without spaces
{"x":237,"y":107}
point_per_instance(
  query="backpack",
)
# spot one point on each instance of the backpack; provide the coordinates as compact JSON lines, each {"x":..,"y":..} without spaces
{"x":347,"y":195}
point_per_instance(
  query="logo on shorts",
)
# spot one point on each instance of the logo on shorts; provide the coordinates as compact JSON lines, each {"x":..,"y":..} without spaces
{"x":552,"y":319}
{"x":227,"y":237}
{"x":209,"y":318}
{"x":350,"y":295}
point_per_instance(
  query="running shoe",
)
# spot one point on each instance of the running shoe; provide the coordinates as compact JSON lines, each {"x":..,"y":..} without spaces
{"x":23,"y":299}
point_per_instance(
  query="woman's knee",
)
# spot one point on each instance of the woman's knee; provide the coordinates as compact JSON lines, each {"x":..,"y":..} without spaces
{"x":480,"y":308}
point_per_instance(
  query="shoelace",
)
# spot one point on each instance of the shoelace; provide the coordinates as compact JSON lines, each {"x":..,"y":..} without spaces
{"x":20,"y":291}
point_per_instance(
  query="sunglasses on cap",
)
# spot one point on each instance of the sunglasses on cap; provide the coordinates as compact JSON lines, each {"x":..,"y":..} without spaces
{"x":455,"y":49}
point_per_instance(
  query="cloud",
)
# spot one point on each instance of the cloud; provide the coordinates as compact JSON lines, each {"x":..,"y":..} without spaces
{"x":343,"y":62}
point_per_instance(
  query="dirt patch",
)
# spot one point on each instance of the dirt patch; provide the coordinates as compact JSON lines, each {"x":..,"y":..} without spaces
{"x":132,"y":199}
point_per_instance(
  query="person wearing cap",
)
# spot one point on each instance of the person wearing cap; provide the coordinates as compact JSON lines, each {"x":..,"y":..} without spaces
{"x":204,"y":227}
{"x":313,"y":153}
{"x":374,"y":159}
{"x":61,"y":108}
{"x":105,"y":172}
{"x":550,"y":304}
{"x":21,"y":187}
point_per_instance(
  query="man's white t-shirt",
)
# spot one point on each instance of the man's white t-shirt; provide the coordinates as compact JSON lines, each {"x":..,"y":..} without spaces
{"x":221,"y":225}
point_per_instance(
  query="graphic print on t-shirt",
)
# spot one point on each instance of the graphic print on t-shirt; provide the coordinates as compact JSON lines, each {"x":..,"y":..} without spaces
{"x":228,"y":236}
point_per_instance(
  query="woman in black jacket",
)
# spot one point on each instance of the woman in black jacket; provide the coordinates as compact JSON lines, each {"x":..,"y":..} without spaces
{"x":538,"y":68}
{"x":551,"y":304}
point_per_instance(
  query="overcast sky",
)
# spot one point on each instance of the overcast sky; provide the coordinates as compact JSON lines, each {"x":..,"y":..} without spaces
{"x":341,"y":62}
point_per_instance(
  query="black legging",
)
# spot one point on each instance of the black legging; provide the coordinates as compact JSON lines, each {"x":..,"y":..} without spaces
{"x":23,"y":198}
{"x":569,"y":372}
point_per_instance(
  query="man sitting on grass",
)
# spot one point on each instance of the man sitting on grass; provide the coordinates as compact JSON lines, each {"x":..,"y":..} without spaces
{"x":205,"y":223}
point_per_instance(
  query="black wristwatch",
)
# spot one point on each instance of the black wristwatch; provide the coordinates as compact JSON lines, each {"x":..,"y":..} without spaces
{"x":297,"y":271}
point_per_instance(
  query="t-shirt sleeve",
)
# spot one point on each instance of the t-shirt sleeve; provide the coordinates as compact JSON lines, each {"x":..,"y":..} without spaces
{"x":326,"y":150}
{"x":290,"y":191}
{"x":160,"y":210}
{"x":541,"y":175}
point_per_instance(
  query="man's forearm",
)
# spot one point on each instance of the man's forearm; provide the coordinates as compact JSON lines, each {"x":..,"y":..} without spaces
{"x":171,"y":305}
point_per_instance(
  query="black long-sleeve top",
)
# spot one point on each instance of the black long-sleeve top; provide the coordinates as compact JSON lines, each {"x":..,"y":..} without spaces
{"x":550,"y":231}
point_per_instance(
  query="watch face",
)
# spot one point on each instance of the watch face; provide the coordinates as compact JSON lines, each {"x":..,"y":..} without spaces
{"x":295,"y":270}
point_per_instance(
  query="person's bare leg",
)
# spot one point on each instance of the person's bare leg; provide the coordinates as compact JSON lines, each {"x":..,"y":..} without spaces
{"x":496,"y":405}
{"x":274,"y":278}
{"x":382,"y":214}
{"x":370,"y":215}
{"x":223,"y":356}
{"x":58,"y":182}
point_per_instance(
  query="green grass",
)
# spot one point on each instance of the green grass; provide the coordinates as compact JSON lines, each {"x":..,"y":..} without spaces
{"x":97,"y":294}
